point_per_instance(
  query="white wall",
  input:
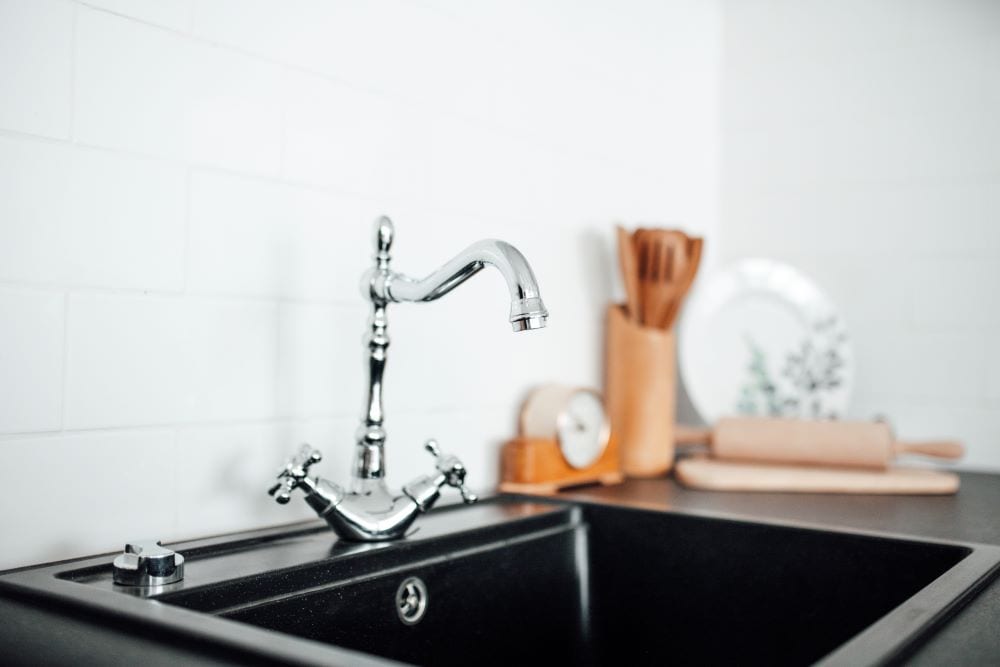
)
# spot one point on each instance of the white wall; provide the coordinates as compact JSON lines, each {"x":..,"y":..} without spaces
{"x":186,"y":189}
{"x":862,"y":144}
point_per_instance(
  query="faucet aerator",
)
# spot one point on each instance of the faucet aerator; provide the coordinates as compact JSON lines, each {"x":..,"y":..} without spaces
{"x":527,"y":312}
{"x":528,"y":323}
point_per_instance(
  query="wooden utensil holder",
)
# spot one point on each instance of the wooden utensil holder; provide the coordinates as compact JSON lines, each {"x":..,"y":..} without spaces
{"x":641,"y":391}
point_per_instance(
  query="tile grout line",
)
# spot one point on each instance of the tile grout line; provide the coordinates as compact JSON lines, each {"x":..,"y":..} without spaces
{"x":283,"y":127}
{"x":193,"y":166}
{"x":174,"y":498}
{"x":186,"y":260}
{"x":278,"y":360}
{"x":279,"y":178}
{"x":74,"y":47}
{"x":207,"y":296}
{"x":242,"y":423}
{"x":64,"y":379}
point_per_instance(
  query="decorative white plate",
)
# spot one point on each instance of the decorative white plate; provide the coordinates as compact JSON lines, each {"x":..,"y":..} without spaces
{"x":760,"y":338}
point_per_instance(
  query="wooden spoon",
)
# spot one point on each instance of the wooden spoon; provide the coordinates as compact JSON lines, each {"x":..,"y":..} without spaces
{"x":630,"y":272}
{"x":679,"y":243}
{"x":643,"y":251}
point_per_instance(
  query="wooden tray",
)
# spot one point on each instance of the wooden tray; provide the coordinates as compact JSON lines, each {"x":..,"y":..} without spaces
{"x":701,"y":472}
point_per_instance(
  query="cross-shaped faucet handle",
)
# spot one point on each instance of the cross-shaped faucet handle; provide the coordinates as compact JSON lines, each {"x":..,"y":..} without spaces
{"x":453,"y":470}
{"x":295,"y":471}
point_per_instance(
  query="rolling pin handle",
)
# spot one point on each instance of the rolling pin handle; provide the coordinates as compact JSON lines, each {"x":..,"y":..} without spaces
{"x":692,"y":435}
{"x":944,"y":449}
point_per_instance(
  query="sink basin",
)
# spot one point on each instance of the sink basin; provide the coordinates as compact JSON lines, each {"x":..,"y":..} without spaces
{"x":511,"y":581}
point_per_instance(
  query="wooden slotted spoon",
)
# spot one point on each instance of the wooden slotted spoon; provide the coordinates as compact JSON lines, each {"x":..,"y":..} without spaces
{"x":662,"y":261}
{"x":693,"y":253}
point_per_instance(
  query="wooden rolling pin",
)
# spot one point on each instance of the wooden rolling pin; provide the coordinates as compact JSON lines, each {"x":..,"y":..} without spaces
{"x":822,"y":443}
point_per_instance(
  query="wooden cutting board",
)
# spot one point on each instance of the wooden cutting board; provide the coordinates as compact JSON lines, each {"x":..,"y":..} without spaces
{"x":701,"y":472}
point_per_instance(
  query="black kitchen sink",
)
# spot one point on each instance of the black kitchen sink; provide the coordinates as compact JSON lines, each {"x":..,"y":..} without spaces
{"x":511,"y":581}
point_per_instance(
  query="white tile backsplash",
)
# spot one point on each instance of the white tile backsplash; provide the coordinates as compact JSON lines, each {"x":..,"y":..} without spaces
{"x":875,"y":149}
{"x":300,"y":33}
{"x":952,"y":293}
{"x":277,"y":240}
{"x":134,"y":360}
{"x":325,"y":121}
{"x":225,"y":490}
{"x":186,"y":194}
{"x":317,"y":375}
{"x":174,"y":14}
{"x":474,"y":167}
{"x":903,"y":363}
{"x":477,"y":433}
{"x":31,"y":360}
{"x":36,"y":66}
{"x":234,"y":111}
{"x":132,"y":86}
{"x":78,"y":216}
{"x":993,"y":373}
{"x":96,"y":508}
{"x":145,"y":89}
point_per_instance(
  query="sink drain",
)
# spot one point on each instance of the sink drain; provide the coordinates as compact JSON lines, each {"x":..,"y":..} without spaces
{"x":411,"y":600}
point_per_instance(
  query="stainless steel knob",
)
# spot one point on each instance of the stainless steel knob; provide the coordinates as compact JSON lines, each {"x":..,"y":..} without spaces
{"x":147,"y":563}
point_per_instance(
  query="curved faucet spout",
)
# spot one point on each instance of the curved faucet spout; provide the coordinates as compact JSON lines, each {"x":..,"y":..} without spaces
{"x":526,"y":308}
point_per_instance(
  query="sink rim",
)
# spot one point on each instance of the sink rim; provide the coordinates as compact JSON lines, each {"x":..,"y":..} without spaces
{"x":890,"y":638}
{"x":52,"y":586}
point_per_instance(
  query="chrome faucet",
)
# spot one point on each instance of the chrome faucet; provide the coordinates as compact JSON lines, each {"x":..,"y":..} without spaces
{"x":369,"y":511}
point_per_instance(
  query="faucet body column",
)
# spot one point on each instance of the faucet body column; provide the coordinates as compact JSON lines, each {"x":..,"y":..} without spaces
{"x":369,"y":454}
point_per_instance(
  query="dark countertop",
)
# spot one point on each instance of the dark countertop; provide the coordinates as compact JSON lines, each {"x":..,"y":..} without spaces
{"x":972,"y":515}
{"x":971,"y":637}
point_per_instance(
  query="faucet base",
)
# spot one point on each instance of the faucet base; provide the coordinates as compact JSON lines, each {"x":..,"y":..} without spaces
{"x":354,"y":519}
